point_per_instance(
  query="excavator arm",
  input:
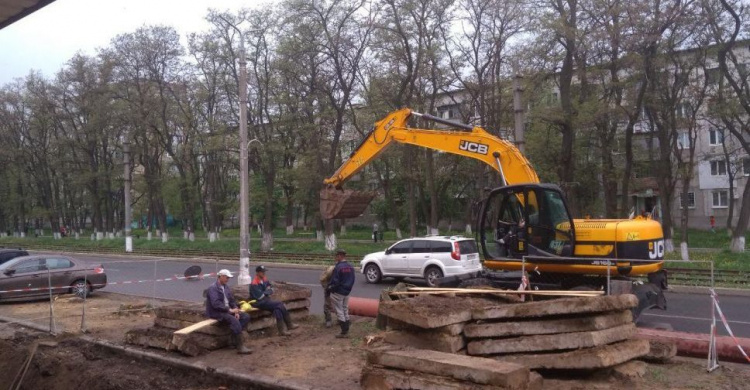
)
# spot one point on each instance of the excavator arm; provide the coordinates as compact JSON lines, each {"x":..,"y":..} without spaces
{"x":461,"y":139}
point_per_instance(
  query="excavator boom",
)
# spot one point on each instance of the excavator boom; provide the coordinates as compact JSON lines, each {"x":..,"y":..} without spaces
{"x":460,"y":139}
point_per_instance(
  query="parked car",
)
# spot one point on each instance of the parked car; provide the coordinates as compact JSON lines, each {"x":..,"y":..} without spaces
{"x":429,"y":257}
{"x":30,"y":276}
{"x":7,"y":254}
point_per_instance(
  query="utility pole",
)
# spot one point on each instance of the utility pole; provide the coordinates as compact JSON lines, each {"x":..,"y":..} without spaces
{"x":126,"y":195}
{"x":518,"y":113}
{"x":244,"y":277}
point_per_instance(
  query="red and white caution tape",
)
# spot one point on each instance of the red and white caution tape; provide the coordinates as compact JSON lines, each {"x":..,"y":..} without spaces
{"x":715,"y":300}
{"x":174,"y":278}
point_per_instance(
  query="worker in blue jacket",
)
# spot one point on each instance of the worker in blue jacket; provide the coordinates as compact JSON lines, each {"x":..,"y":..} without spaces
{"x":261,"y":291}
{"x":340,"y":286}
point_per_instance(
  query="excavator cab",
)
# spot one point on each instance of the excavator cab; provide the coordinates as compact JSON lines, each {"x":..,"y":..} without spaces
{"x":526,"y":219}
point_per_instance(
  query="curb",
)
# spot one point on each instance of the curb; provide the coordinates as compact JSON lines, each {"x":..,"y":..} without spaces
{"x":721,"y":291}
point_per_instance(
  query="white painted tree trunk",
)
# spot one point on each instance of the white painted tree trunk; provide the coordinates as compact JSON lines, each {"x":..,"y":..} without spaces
{"x":93,"y":236}
{"x":111,"y":235}
{"x":319,"y":235}
{"x":185,"y":234}
{"x":290,"y":230}
{"x":343,"y":229}
{"x":468,"y":229}
{"x":668,"y":245}
{"x":738,"y":245}
{"x":433,"y":231}
{"x":56,"y":236}
{"x":331,"y":242}
{"x":99,"y":236}
{"x":398,"y":233}
{"x":212,"y":237}
{"x":218,"y":236}
{"x":684,"y":251}
{"x":191,"y":236}
{"x":164,"y":237}
{"x":158,"y":233}
{"x":148,"y":236}
{"x":266,"y":243}
{"x":78,"y":236}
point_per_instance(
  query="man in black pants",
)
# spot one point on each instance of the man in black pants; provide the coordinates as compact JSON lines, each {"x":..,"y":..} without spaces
{"x":261,"y":291}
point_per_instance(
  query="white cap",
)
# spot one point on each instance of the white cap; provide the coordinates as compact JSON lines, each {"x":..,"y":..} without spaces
{"x":225,"y":272}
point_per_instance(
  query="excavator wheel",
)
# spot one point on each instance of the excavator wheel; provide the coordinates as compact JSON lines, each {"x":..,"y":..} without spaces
{"x":340,"y":204}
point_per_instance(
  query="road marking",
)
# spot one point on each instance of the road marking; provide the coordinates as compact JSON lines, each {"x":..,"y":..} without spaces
{"x":692,"y":318}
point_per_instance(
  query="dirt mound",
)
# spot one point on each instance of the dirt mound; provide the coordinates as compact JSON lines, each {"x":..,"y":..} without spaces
{"x":75,"y":364}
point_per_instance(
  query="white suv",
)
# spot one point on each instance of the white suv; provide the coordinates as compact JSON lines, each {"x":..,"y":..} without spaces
{"x":426,"y":257}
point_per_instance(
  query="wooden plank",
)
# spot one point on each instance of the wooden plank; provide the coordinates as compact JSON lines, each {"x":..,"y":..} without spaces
{"x":194,"y":327}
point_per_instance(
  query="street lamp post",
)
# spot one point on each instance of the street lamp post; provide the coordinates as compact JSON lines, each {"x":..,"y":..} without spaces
{"x":126,"y":194}
{"x":244,"y":277}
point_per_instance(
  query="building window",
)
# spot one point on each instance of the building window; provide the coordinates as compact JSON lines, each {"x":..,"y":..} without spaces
{"x":683,"y":110}
{"x":715,"y":137}
{"x":720,"y":199}
{"x":690,"y":200}
{"x":683,"y":140}
{"x":718,"y":168}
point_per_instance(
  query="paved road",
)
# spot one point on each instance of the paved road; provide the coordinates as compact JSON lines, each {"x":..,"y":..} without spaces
{"x":686,"y":312}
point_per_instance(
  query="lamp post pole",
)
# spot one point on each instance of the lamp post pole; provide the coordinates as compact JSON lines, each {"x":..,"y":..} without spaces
{"x":126,"y":194}
{"x":244,"y":277}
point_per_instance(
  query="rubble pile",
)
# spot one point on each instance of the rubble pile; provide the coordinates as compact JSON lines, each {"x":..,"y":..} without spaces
{"x":572,"y":334}
{"x":215,"y":336}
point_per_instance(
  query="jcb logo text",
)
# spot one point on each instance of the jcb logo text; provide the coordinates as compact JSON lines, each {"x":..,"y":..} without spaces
{"x":473,"y":147}
{"x":656,"y":250}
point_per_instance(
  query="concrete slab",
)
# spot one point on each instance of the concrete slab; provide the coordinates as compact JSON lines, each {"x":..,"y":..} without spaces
{"x":557,"y":307}
{"x":378,"y":378}
{"x":270,"y":322}
{"x":554,"y":342}
{"x":548,"y":326}
{"x":629,"y":371}
{"x":660,"y":351}
{"x":583,"y":359}
{"x":464,"y":368}
{"x":421,"y":311}
{"x":283,"y":292}
{"x":194,"y":313}
{"x":432,"y":341}
{"x":453,"y":330}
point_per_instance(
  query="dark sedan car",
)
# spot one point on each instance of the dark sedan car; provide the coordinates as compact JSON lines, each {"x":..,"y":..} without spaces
{"x":30,"y":276}
{"x":7,"y":254}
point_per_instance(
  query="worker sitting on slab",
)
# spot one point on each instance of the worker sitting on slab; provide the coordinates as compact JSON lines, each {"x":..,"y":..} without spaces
{"x":221,"y":305}
{"x":261,"y":291}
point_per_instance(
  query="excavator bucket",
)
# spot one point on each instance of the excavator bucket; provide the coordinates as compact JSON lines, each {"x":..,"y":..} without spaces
{"x":340,"y":204}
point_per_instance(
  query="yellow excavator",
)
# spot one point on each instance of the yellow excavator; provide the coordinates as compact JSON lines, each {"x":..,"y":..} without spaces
{"x":521,"y":219}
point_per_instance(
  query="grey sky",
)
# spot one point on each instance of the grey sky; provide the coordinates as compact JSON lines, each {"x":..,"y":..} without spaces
{"x":48,"y":38}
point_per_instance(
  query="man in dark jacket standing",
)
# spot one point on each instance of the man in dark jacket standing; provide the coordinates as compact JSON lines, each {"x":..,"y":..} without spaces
{"x":261,"y":291}
{"x":340,"y":286}
{"x":221,"y":305}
